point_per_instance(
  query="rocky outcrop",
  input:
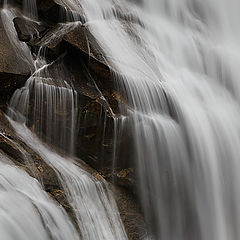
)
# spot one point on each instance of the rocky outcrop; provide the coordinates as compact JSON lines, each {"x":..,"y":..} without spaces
{"x":130,"y":214}
{"x":76,"y":35}
{"x":28,"y":30}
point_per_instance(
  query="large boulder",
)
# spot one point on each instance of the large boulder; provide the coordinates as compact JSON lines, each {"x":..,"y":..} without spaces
{"x":28,"y":30}
{"x":76,"y":35}
{"x":81,"y":38}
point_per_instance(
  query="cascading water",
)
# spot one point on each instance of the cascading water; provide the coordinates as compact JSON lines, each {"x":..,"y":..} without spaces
{"x":53,"y":105}
{"x":94,"y":207}
{"x":26,"y":211}
{"x":179,"y":67}
{"x":180,"y":71}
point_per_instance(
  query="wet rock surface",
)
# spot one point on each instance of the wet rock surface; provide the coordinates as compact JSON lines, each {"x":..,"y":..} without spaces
{"x":9,"y":83}
{"x":130,"y":214}
{"x":99,"y":101}
{"x":28,"y":30}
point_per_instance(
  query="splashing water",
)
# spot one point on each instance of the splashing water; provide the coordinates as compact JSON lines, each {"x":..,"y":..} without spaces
{"x":26,"y":211}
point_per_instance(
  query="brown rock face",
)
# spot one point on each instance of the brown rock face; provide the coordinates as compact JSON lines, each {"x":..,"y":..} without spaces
{"x":9,"y":83}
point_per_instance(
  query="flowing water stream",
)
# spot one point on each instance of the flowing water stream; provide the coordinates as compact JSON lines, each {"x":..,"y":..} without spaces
{"x":26,"y":211}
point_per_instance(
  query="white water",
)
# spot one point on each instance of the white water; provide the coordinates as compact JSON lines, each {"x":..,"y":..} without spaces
{"x":181,"y":73}
{"x":26,"y":211}
{"x":95,"y":209}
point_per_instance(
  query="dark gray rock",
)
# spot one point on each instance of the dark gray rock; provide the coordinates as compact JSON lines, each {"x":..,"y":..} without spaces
{"x":28,"y":30}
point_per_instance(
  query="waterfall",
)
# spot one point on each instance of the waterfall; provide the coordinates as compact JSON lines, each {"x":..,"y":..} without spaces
{"x":26,"y":211}
{"x":180,"y":71}
{"x":178,"y":64}
{"x":53,"y":101}
{"x":95,"y":209}
{"x":92,"y":202}
{"x":48,"y":105}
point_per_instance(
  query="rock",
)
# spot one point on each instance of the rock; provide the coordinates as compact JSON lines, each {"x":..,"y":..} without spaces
{"x":130,"y":213}
{"x":122,"y":177}
{"x":56,"y":11}
{"x":81,"y":38}
{"x":45,"y":5}
{"x":41,"y":4}
{"x":28,"y":30}
{"x":9,"y":83}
